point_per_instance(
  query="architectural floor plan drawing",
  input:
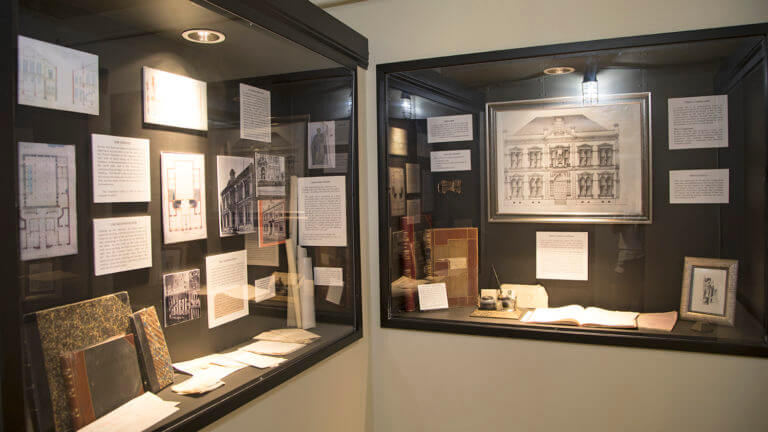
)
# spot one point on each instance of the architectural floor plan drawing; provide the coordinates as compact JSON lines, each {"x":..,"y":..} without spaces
{"x":183,"y":192}
{"x":47,"y":205}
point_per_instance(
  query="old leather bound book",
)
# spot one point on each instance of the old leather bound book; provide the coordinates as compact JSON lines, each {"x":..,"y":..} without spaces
{"x":154,"y":358}
{"x":52,"y":332}
{"x":101,"y":377}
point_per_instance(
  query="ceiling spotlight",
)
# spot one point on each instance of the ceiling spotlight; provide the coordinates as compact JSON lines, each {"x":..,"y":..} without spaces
{"x":559,"y":70}
{"x":203,"y":36}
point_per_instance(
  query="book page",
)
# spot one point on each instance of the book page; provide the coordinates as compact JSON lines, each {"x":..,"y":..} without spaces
{"x":563,"y":315}
{"x":597,"y":317}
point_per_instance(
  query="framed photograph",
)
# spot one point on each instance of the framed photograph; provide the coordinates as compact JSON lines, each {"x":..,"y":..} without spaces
{"x":558,"y":161}
{"x":321,"y":151}
{"x":709,"y":290}
{"x":271,"y":222}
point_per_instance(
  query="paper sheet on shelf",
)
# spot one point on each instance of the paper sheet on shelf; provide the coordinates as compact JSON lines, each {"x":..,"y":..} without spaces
{"x":198,"y":384}
{"x":272,"y":348}
{"x":214,"y":364}
{"x":291,"y":335}
{"x":135,"y":415}
{"x":255,"y":360}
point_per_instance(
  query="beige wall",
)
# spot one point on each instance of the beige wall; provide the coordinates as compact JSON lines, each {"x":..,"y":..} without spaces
{"x":438,"y":382}
{"x":405,"y":381}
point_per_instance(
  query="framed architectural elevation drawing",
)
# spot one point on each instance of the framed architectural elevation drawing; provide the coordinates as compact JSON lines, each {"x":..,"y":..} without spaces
{"x":557,"y":160}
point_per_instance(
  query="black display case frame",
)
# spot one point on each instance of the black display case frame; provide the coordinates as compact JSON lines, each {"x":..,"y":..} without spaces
{"x":451,"y":96}
{"x":296,"y":20}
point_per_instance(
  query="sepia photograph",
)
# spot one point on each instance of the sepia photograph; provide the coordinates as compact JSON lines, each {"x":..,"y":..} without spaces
{"x":556,"y":160}
{"x":270,"y":174}
{"x":321,"y":145}
{"x":181,"y":299}
{"x":397,"y":191}
{"x":237,"y":196}
{"x":271,"y":222}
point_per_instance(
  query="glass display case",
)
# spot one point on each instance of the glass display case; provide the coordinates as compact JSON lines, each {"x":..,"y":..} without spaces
{"x":185,"y":233}
{"x":607,"y":192}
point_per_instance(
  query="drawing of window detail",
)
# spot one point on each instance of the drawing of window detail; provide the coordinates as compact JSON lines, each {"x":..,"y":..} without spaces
{"x":605,"y":152}
{"x":515,"y":158}
{"x":535,"y":187}
{"x":560,"y":157}
{"x":585,"y":185}
{"x":84,"y":86}
{"x":184,"y":192}
{"x":606,"y":184}
{"x":534,"y":157}
{"x":39,"y":77}
{"x":560,"y":187}
{"x":517,"y":187}
{"x":585,"y":156}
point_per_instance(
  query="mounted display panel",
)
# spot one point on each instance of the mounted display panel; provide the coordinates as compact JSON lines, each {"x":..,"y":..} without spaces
{"x":185,"y":182}
{"x":605,"y":192}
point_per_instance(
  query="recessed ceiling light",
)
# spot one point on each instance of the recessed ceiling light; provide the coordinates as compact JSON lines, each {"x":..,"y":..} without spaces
{"x":559,"y":70}
{"x":203,"y":36}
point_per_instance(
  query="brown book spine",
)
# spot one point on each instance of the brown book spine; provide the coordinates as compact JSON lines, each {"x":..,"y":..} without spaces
{"x":77,"y":390}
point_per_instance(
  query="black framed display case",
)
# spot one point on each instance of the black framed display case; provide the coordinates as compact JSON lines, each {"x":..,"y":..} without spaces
{"x":608,"y":192}
{"x":184,"y":179}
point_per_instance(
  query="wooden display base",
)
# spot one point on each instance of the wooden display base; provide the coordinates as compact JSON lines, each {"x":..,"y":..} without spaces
{"x":515,"y":314}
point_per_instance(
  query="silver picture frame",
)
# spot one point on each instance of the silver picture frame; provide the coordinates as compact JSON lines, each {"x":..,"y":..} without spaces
{"x":548,"y":178}
{"x":709,"y":290}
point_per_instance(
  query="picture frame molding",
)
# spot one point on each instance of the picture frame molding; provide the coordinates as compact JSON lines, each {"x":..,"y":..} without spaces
{"x":731,"y":267}
{"x":492,"y":108}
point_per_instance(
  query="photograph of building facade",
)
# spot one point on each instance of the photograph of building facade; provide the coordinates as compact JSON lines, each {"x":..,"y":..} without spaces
{"x":562,"y":158}
{"x":270,"y":174}
{"x":237,"y":202}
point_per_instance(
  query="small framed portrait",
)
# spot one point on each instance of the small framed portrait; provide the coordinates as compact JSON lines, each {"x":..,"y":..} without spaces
{"x":709,"y":290}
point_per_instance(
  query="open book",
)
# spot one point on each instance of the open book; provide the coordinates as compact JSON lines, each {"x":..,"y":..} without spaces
{"x":577,"y":315}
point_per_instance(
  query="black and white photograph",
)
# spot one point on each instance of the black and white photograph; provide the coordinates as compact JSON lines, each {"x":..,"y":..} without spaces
{"x":555,"y":159}
{"x":237,"y":197}
{"x":321,"y":145}
{"x":271,"y":222}
{"x":181,"y":299}
{"x":709,"y":290}
{"x":270,"y":174}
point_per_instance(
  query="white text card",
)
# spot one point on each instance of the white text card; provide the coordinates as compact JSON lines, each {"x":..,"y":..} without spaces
{"x":705,"y":186}
{"x":255,"y":112}
{"x":449,"y":128}
{"x":433,"y":296}
{"x":562,"y":255}
{"x":698,"y":122}
{"x":322,"y":211}
{"x":120,"y":169}
{"x":330,"y":276}
{"x":451,"y":160}
{"x":121,"y":244}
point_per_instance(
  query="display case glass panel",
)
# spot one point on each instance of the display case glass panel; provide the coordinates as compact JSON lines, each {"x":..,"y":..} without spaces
{"x":607,"y":192}
{"x":186,"y":187}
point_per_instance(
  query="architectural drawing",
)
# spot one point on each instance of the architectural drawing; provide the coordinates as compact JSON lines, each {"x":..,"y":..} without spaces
{"x":577,"y":160}
{"x":183,"y":193}
{"x":52,"y":76}
{"x":47,"y":204}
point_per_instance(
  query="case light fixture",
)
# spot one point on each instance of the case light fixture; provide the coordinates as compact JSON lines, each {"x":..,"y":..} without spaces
{"x":203,"y":36}
{"x":559,"y":70}
{"x":589,"y":86}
